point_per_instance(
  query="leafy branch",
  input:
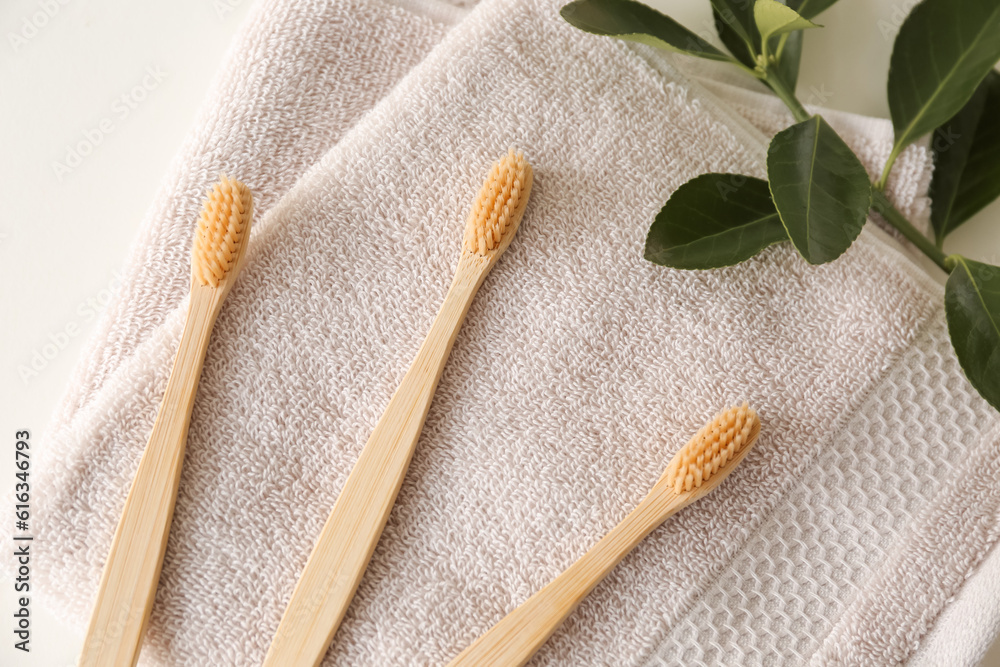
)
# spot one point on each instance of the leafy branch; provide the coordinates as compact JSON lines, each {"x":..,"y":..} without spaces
{"x":818,"y":195}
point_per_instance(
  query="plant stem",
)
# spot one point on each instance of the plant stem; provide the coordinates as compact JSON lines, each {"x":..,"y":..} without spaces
{"x":884,"y":178}
{"x":752,"y":72}
{"x":786,"y":95}
{"x":882,"y":205}
{"x":781,"y":46}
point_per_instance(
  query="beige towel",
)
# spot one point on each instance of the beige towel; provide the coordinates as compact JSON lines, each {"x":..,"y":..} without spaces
{"x":580,"y":370}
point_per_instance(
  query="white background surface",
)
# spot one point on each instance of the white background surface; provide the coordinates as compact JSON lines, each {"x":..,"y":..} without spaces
{"x":63,"y":235}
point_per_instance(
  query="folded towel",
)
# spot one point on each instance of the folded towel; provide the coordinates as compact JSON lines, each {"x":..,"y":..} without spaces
{"x":580,"y":370}
{"x":297,"y":77}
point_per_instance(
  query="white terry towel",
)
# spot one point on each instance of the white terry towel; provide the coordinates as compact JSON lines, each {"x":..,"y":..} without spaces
{"x":580,"y":370}
{"x":297,"y":77}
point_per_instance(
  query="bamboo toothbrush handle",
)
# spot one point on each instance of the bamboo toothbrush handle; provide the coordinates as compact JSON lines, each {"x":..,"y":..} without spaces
{"x":520,"y":633}
{"x":345,"y":545}
{"x":131,"y":573}
{"x":695,"y":470}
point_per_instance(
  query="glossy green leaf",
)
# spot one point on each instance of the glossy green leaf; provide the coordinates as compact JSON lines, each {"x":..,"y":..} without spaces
{"x":789,"y":56}
{"x":967,"y":159}
{"x":790,"y":51}
{"x":943,"y":50}
{"x":820,"y":188}
{"x":714,"y":220}
{"x":774,"y":18}
{"x":810,"y":8}
{"x":972,"y":306}
{"x":732,"y":41}
{"x":737,"y":15}
{"x":636,"y":22}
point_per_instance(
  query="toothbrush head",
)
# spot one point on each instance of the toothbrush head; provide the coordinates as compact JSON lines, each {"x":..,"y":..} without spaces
{"x":499,"y":207}
{"x":223,"y":229}
{"x":714,"y":450}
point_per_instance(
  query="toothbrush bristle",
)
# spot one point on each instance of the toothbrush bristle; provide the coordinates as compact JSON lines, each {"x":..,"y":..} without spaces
{"x":717,"y":443}
{"x":497,"y":211}
{"x":221,"y":228}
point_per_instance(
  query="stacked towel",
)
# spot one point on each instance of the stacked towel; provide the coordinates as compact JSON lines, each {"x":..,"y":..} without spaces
{"x":364,"y":129}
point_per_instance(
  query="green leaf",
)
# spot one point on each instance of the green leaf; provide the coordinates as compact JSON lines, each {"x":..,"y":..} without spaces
{"x":732,"y":41}
{"x":943,"y":50}
{"x":737,"y":15}
{"x":635,"y":22}
{"x":810,"y":8}
{"x":789,"y":57}
{"x":967,"y":159}
{"x":820,"y":188}
{"x":714,"y":220}
{"x":777,"y":20}
{"x":774,"y":18}
{"x":791,"y":52}
{"x":972,"y":307}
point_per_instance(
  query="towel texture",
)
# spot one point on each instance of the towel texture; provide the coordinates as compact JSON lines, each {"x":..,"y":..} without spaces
{"x":580,"y":370}
{"x":297,"y":77}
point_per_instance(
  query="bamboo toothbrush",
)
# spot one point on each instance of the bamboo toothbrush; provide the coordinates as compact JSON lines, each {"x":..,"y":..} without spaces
{"x":696,"y":469}
{"x":345,"y":545}
{"x":128,"y":585}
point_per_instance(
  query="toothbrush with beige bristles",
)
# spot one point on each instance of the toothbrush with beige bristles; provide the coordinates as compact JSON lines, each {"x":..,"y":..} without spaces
{"x":346,"y":543}
{"x":132,"y":570}
{"x":696,"y":469}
